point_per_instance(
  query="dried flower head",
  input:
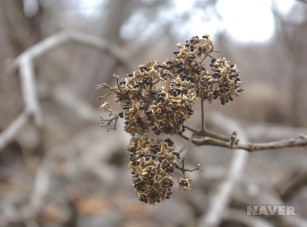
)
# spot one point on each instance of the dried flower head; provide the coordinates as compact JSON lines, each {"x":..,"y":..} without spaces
{"x":185,"y":183}
{"x":152,"y":163}
{"x":159,"y":97}
{"x":223,"y":81}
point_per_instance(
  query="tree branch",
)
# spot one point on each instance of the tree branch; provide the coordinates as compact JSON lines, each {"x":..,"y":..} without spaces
{"x":221,"y":198}
{"x":251,"y":147}
{"x":207,"y":137}
{"x":27,"y":75}
{"x":40,"y":189}
{"x":11,"y":131}
{"x":241,"y":217}
{"x":67,"y":36}
{"x":207,"y":133}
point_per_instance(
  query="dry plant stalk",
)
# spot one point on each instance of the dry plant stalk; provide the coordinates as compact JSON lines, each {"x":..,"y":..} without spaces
{"x":159,"y":98}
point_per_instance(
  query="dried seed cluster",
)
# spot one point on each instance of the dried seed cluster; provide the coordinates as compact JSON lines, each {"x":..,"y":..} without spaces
{"x":222,"y":82}
{"x":159,"y":97}
{"x":152,"y":100}
{"x":152,"y":162}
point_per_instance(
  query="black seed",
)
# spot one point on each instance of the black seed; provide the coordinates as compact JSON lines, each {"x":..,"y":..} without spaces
{"x":136,"y":84}
{"x":190,"y":111}
{"x":131,"y":149}
{"x":169,"y":142}
{"x":125,"y":106}
{"x":157,"y":132}
{"x":177,"y":155}
{"x":122,"y":82}
{"x":140,"y":122}
{"x":155,"y":149}
{"x":159,"y":113}
{"x":240,"y":90}
{"x":159,"y":66}
{"x":175,"y":92}
{"x":160,"y":99}
{"x":216,"y":74}
{"x":143,"y":198}
{"x":148,"y":115}
{"x":142,"y":106}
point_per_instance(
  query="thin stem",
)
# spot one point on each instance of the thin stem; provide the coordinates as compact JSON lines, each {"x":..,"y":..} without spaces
{"x":203,"y":126}
{"x":183,"y":169}
{"x":216,"y":135}
{"x":208,"y":133}
{"x":183,"y":136}
{"x":195,"y":131}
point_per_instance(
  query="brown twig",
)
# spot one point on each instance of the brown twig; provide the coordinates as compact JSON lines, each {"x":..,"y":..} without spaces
{"x":211,"y":138}
{"x":108,"y":122}
{"x":207,"y":133}
{"x":252,"y":147}
{"x":183,"y":169}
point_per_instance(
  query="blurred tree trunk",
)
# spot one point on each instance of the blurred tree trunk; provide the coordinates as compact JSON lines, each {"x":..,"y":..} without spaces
{"x":292,"y":36}
{"x":297,"y":79}
{"x":21,"y":31}
{"x":101,"y":67}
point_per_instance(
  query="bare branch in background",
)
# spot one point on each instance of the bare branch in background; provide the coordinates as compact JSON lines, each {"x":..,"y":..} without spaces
{"x":66,"y":99}
{"x":241,"y":217}
{"x":39,"y":192}
{"x":266,"y":194}
{"x":29,"y":92}
{"x":81,"y":38}
{"x":11,"y":131}
{"x":220,"y":200}
{"x":25,"y":63}
{"x":303,"y":1}
{"x":273,"y":132}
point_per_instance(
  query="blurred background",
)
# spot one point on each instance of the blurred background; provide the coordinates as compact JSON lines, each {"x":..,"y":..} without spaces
{"x":71,"y":172}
